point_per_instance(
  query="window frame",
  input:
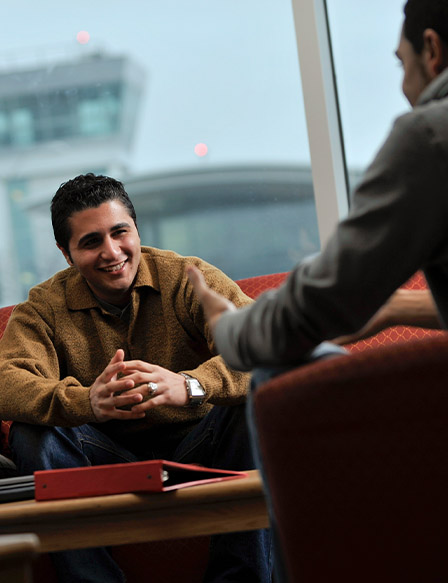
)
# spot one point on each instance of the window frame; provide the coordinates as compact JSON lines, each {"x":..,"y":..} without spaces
{"x":326,"y":143}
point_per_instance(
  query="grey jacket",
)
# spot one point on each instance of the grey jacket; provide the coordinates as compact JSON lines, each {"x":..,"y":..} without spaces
{"x":398,"y":223}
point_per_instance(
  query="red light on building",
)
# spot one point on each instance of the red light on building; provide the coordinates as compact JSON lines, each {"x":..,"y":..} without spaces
{"x":201,"y":150}
{"x":83,"y":37}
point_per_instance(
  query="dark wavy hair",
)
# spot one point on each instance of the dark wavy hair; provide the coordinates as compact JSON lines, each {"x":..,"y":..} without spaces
{"x":81,"y":193}
{"x":423,"y":14}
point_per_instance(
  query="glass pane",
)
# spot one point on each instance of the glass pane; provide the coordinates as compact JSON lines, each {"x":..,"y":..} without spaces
{"x":364,"y":38}
{"x":195,"y":105}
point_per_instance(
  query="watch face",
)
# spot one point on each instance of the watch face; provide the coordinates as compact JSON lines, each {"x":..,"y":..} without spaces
{"x":195,"y":391}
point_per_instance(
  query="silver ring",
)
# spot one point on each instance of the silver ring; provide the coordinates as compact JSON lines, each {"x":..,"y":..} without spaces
{"x":153,"y":388}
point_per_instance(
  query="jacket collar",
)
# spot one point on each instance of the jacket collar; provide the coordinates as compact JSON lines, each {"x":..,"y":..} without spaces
{"x":79,"y":296}
{"x":437,"y":89}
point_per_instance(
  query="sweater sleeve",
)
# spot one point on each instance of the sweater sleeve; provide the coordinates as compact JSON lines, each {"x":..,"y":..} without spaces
{"x":32,"y":390}
{"x":223,"y":385}
{"x":397,"y":225}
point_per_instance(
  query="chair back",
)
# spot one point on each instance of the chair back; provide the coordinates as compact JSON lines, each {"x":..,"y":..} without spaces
{"x":356,"y":458}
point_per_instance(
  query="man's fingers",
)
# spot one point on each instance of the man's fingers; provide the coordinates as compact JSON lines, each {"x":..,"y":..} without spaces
{"x":197,"y":280}
{"x":127,"y":399}
{"x":105,"y":390}
{"x":214,"y":304}
{"x":119,"y":406}
{"x":212,"y":300}
{"x":117,"y":357}
{"x":150,"y":404}
{"x":112,"y":371}
{"x":132,"y":366}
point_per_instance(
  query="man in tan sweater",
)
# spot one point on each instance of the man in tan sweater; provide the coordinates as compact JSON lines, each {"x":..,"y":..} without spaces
{"x":112,"y":360}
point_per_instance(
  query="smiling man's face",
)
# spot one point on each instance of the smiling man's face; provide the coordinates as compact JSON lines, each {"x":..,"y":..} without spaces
{"x":105,"y":248}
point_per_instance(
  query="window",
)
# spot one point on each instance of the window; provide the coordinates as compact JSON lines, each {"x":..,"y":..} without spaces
{"x":364,"y":39}
{"x":99,"y":114}
{"x":197,"y":106}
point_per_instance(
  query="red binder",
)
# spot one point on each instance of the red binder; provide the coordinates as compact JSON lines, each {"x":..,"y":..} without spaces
{"x":147,"y":476}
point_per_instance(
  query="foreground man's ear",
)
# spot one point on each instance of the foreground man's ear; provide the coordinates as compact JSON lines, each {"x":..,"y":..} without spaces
{"x":434,"y":53}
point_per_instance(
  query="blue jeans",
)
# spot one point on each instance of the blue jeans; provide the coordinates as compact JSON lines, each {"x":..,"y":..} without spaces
{"x":219,"y":440}
{"x":259,"y":377}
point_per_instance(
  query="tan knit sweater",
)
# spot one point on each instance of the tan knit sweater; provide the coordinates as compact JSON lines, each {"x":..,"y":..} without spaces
{"x":59,"y":340}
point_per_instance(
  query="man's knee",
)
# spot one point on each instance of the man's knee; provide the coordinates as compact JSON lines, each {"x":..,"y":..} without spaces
{"x":323,"y":351}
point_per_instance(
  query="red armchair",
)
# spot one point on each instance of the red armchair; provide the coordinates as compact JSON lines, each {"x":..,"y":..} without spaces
{"x":355,"y":458}
{"x":355,"y":453}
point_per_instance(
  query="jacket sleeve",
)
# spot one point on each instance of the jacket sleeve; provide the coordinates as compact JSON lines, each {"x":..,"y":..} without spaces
{"x":31,"y":388}
{"x":397,"y":225}
{"x":223,"y":385}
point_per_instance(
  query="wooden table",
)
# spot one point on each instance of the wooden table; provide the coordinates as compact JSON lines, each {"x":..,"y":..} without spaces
{"x":230,"y":506}
{"x":16,"y":554}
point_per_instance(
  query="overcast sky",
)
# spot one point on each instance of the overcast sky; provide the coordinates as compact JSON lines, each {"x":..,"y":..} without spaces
{"x":225,"y":72}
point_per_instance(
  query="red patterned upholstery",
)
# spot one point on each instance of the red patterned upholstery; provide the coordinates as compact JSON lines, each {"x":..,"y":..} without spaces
{"x":398,"y":333}
{"x":4,"y":317}
{"x":254,"y":286}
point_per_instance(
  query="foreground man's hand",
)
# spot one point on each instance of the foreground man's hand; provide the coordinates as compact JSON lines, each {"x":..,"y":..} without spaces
{"x":214,"y":304}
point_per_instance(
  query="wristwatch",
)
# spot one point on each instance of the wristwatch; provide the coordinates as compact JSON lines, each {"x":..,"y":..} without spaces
{"x":195,"y":391}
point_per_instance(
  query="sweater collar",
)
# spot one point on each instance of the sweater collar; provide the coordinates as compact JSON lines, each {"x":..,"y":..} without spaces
{"x":80,"y":297}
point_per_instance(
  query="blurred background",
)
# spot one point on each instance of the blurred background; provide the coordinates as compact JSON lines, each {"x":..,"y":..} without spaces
{"x":197,"y":107}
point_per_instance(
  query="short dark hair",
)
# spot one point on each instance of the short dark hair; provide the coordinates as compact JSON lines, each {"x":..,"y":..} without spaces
{"x":423,"y":14}
{"x":84,"y":192}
